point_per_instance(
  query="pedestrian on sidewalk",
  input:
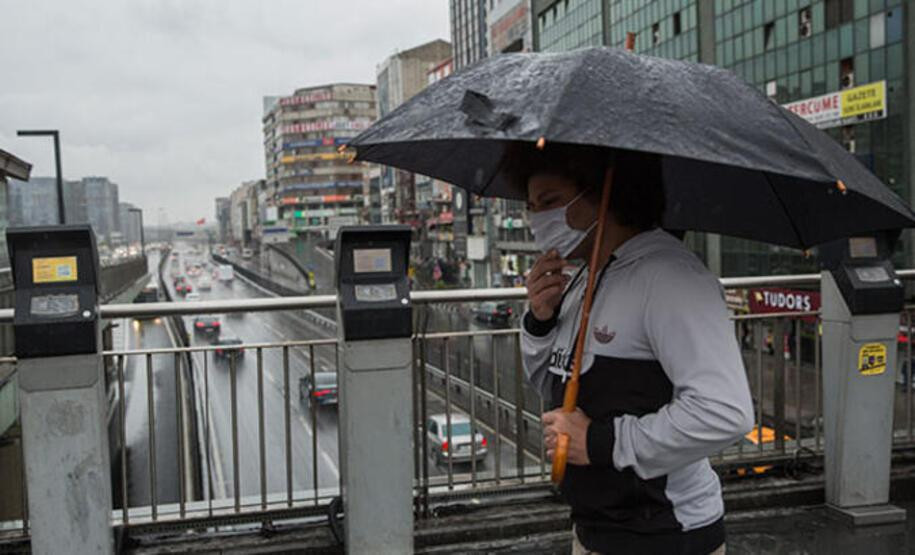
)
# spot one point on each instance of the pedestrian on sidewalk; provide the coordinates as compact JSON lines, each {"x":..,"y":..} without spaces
{"x":663,"y":385}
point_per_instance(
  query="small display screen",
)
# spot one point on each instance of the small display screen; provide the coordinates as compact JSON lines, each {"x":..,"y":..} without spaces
{"x":862,"y":247}
{"x":376,"y":293}
{"x":54,"y":269}
{"x":371,"y":260}
{"x":54,"y":306}
{"x":872,"y":274}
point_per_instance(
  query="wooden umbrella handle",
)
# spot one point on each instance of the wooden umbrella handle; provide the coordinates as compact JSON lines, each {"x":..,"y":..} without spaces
{"x":570,"y":399}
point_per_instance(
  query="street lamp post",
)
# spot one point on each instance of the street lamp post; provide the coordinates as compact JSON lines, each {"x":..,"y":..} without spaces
{"x":142,"y":234}
{"x":60,"y":180}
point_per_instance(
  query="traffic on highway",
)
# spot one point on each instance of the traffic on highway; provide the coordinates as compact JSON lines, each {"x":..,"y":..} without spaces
{"x":269,"y":379}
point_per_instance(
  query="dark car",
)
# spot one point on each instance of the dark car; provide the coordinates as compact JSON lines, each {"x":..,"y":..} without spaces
{"x":324,"y":390}
{"x":493,"y":313}
{"x":228,"y":347}
{"x":207,"y":325}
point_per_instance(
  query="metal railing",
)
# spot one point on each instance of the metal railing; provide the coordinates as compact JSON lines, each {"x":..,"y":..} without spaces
{"x":474,"y":373}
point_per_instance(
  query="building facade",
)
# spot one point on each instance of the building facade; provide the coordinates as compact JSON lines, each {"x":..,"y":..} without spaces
{"x":223,"y":219}
{"x":243,"y":214}
{"x":33,"y":202}
{"x":508,"y":24}
{"x":468,"y":31}
{"x":101,"y":202}
{"x":311,"y":184}
{"x":811,"y":56}
{"x":399,"y":77}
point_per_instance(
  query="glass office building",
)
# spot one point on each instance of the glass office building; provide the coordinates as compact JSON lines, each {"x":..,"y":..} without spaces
{"x":818,"y":58}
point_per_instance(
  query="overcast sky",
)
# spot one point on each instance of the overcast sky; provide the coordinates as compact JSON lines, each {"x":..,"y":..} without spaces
{"x":165,"y":96}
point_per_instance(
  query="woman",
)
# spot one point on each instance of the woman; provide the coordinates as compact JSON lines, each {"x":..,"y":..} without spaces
{"x":663,"y":384}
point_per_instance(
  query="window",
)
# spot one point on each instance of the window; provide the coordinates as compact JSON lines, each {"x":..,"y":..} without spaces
{"x":848,"y":138}
{"x":878,"y":30}
{"x":655,"y":34}
{"x":847,"y":73}
{"x":677,"y":24}
{"x":839,"y":12}
{"x":805,"y":27}
{"x":893,"y":25}
{"x":768,"y":32}
{"x":771,"y":89}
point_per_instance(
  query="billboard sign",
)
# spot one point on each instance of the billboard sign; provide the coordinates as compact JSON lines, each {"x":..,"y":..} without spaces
{"x":846,"y":107}
{"x":769,"y":300}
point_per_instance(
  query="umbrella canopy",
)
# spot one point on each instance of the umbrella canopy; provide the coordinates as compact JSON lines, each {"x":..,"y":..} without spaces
{"x":733,"y":161}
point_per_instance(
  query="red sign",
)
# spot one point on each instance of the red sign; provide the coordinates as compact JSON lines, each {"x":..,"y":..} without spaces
{"x":775,"y":299}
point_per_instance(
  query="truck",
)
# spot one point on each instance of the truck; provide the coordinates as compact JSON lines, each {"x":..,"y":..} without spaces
{"x":225,"y":273}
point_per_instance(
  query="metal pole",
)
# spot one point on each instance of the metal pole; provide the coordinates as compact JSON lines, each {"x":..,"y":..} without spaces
{"x":60,"y":179}
{"x":55,"y":135}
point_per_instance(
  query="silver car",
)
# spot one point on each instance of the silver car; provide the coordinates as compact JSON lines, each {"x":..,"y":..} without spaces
{"x":459,"y":448}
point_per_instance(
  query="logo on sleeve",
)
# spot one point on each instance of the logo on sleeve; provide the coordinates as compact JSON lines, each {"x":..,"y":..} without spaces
{"x":603,"y":334}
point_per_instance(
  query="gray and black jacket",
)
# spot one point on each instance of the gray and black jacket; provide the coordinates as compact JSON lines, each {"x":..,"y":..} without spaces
{"x":664,"y":384}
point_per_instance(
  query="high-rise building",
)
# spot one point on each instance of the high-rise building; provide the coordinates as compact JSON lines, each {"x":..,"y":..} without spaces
{"x":11,"y":167}
{"x":33,"y":202}
{"x":244,"y":213}
{"x":102,"y":207}
{"x":509,"y":26}
{"x":399,"y":77}
{"x":223,"y":220}
{"x":468,"y":31}
{"x":130,"y":220}
{"x":313,"y":186}
{"x":815,"y":57}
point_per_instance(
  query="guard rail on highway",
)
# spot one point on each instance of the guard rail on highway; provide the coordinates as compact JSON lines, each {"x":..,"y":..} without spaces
{"x":473,"y":373}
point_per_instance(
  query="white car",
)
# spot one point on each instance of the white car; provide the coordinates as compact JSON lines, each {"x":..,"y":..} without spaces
{"x":192,"y":296}
{"x":205,"y":284}
{"x":459,"y":449}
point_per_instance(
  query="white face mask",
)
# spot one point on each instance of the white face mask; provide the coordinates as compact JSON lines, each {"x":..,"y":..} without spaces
{"x":552,"y":231}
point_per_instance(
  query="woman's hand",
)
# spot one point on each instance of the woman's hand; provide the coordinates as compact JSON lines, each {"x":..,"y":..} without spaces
{"x":575,"y":425}
{"x":545,"y":284}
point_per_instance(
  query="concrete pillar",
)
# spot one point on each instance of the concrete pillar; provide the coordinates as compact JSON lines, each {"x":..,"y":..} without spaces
{"x":65,"y":439}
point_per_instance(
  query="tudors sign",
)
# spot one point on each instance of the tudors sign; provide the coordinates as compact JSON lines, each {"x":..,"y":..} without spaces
{"x":774,"y":299}
{"x":846,"y":107}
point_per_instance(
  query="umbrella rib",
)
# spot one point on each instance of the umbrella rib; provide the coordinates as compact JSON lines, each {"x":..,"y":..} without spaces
{"x":797,"y":232}
{"x":562,"y":94}
{"x":784,"y":115}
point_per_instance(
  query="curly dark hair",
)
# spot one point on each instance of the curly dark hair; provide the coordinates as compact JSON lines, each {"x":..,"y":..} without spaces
{"x":637,"y":199}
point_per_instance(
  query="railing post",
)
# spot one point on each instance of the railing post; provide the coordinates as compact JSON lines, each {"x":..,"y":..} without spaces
{"x":778,"y":395}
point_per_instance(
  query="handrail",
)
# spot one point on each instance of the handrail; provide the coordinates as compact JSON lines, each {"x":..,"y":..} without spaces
{"x":417,"y":297}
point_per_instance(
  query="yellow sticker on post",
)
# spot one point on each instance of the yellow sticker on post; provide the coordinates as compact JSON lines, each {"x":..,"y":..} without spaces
{"x":872,"y":359}
{"x":55,"y":269}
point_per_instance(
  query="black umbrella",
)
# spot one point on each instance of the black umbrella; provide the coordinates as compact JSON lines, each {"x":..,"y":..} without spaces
{"x":734,"y":162}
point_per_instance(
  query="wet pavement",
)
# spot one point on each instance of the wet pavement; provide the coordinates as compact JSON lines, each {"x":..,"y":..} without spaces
{"x":813,"y":530}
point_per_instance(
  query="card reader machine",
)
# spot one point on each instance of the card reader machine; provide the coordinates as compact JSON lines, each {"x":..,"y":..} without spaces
{"x":55,"y":273}
{"x":372,"y":281}
{"x":375,"y":377}
{"x":861,"y":301}
{"x":63,"y":398}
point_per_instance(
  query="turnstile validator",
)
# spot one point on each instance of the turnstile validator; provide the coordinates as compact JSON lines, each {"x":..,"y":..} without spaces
{"x":62,"y":394}
{"x":374,"y":317}
{"x":861,"y":301}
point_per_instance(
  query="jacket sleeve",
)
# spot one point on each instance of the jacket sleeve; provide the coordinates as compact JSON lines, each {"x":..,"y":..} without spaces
{"x":537,"y":339}
{"x":689,"y":331}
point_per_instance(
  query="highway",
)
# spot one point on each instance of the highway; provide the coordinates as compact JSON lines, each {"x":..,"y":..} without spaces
{"x":145,"y":334}
{"x":215,"y":378}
